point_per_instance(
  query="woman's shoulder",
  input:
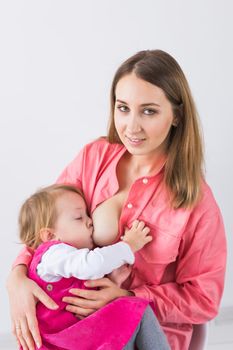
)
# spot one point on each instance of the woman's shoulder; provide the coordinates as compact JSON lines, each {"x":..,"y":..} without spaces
{"x":102,"y":145}
{"x":207,"y":202}
{"x":99,"y":142}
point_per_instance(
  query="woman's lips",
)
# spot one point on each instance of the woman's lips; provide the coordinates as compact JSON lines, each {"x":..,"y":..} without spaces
{"x":135,"y":141}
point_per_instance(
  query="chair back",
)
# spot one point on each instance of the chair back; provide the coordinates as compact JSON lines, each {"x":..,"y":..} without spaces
{"x":199,"y":337}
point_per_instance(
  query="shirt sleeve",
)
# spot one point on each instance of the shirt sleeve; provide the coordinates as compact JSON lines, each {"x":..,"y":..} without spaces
{"x":62,"y":260}
{"x":24,"y":257}
{"x":195,"y":295}
{"x":72,"y":174}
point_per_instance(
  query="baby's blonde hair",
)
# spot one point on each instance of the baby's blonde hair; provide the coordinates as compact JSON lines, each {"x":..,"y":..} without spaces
{"x":39,"y":211}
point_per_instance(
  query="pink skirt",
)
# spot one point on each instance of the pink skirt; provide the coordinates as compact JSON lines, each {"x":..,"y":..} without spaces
{"x":109,"y":328}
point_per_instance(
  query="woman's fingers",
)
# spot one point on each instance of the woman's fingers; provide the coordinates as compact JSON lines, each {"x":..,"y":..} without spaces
{"x":20,"y":324}
{"x":34,"y":329}
{"x":19,"y":327}
{"x":86,"y":301}
{"x":27,"y":336}
{"x":81,"y":302}
{"x":23,"y":310}
{"x":85,"y":293}
{"x":82,"y":317}
{"x":100,"y":282}
{"x":44,"y":298}
{"x":79,"y":311}
{"x":22,"y":332}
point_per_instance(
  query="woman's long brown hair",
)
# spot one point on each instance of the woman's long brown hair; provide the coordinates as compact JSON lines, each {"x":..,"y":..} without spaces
{"x":183,"y":169}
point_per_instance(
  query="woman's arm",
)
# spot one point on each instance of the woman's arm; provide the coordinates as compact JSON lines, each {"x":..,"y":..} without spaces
{"x":23,"y":295}
{"x":195,"y":295}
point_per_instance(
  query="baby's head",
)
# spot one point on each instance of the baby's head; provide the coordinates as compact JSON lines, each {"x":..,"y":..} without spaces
{"x":57,"y":212}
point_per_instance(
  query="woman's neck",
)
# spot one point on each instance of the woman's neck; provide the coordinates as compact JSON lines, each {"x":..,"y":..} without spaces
{"x":147,"y":165}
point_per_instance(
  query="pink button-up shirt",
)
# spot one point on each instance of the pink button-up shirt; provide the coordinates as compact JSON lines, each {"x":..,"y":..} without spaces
{"x":182,"y":270}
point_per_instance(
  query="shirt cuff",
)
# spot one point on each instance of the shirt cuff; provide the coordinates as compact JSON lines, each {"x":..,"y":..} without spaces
{"x":141,"y":292}
{"x":130,"y":254}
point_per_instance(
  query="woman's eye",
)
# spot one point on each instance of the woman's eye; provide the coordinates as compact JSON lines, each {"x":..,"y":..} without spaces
{"x":122,"y":108}
{"x":149,"y":111}
{"x":79,"y":218}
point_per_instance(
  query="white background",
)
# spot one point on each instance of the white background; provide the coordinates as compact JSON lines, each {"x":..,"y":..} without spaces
{"x":57,"y":60}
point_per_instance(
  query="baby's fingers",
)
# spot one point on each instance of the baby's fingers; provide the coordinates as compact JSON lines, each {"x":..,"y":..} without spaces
{"x":146,"y":230}
{"x":135,"y":224}
{"x":148,"y":239}
{"x":141,"y":225}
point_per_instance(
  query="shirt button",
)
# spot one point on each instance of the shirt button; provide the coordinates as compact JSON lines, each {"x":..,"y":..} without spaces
{"x":145,"y":181}
{"x":130,"y":205}
{"x":49,"y":287}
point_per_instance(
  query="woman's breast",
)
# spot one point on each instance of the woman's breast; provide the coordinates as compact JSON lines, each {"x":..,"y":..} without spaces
{"x":106,"y":219}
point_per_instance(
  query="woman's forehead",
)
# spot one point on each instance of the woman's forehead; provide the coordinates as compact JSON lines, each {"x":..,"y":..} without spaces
{"x":130,"y":89}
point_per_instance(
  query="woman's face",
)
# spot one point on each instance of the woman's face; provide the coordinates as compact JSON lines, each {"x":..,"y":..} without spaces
{"x":143,"y":116}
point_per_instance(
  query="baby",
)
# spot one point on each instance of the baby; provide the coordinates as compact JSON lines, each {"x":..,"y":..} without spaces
{"x":54,"y":221}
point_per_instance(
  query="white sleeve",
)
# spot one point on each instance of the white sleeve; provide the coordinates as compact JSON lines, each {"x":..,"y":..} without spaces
{"x":62,"y":260}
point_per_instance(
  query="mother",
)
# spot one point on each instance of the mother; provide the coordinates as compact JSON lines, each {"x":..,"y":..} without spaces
{"x":149,"y":167}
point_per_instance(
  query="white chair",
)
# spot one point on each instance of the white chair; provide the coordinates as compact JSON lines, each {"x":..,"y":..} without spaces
{"x":199,"y":337}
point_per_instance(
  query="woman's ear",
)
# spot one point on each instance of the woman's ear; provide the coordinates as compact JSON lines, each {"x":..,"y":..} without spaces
{"x":175,"y":122}
{"x":46,"y":234}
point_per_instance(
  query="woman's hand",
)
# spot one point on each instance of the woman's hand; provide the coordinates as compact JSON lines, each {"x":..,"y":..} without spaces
{"x":23,"y":295}
{"x":86,"y":301}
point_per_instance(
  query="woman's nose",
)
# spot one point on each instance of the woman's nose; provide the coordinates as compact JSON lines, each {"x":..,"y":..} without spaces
{"x":134,"y":125}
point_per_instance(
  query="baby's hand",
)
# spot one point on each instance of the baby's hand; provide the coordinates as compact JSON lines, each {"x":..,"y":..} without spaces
{"x":137,"y":236}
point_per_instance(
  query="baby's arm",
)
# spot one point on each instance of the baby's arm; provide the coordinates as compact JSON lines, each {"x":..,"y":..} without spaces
{"x":62,"y":260}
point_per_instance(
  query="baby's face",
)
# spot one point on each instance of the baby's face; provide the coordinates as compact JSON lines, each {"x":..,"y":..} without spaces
{"x":73,"y":225}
